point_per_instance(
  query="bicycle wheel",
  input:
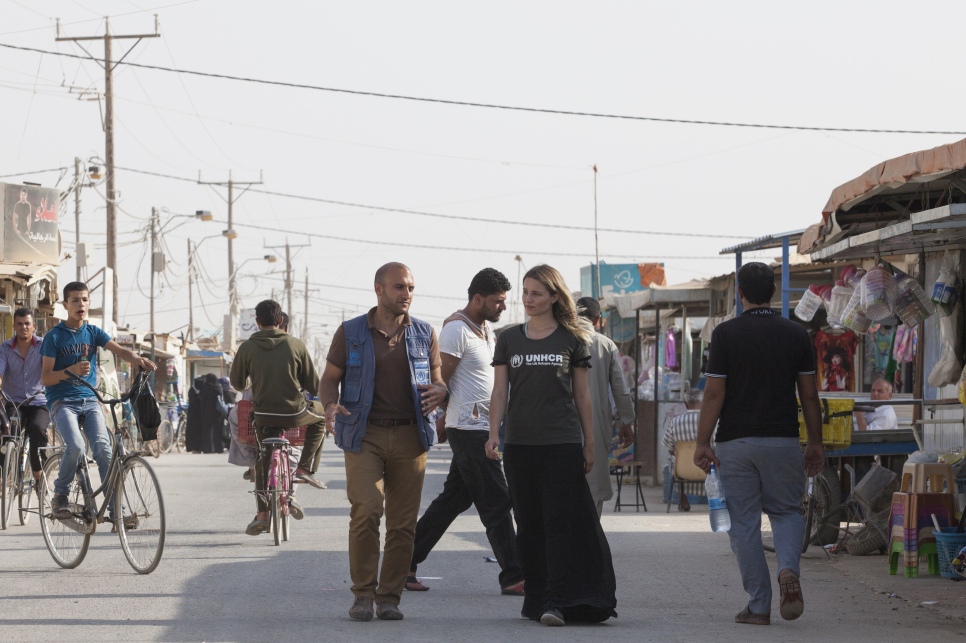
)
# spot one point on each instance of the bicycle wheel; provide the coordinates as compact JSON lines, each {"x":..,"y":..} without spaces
{"x":25,"y":498}
{"x":827,"y":509}
{"x":274,"y":499}
{"x":285,"y":482}
{"x":182,"y":428}
{"x":65,"y":541}
{"x":165,"y":436}
{"x":139,"y":513}
{"x":9,"y":483}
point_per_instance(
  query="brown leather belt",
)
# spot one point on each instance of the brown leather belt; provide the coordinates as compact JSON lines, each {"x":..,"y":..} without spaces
{"x":392,"y":423}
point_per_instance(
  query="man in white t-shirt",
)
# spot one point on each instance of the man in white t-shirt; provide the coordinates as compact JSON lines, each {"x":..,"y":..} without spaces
{"x":466,"y":346}
{"x":883,"y":417}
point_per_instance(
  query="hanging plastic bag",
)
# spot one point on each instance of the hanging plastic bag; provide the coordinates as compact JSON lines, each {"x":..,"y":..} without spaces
{"x":945,"y":292}
{"x":948,"y":368}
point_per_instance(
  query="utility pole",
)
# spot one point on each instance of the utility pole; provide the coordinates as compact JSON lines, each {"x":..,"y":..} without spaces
{"x":81,"y":261}
{"x":108,"y":125}
{"x":155,"y":267}
{"x":305,"y":315}
{"x":191,"y":305}
{"x":599,"y":294}
{"x":230,"y":233}
{"x":289,"y":280}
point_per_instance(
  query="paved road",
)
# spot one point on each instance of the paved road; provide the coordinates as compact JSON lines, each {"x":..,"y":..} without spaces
{"x":676,"y":580}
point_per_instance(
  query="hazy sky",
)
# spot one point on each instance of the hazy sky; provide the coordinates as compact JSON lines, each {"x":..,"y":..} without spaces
{"x":823,"y":64}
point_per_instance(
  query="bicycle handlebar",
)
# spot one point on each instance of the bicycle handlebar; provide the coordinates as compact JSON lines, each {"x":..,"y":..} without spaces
{"x":139,"y":380}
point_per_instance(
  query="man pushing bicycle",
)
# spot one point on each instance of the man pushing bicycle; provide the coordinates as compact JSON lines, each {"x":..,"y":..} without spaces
{"x":280,"y":369}
{"x":70,"y":349}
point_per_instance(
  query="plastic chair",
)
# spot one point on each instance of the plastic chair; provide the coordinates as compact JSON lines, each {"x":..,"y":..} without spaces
{"x":684,"y":469}
{"x":927,"y":478}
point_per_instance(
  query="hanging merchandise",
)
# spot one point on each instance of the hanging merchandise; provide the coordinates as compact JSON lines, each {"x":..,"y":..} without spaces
{"x":853,"y":316}
{"x":835,"y":357}
{"x":670,"y":349}
{"x":904,"y":350}
{"x":841,"y":295}
{"x":881,"y":349}
{"x":878,"y":293}
{"x":945,"y":292}
{"x":948,"y":368}
{"x":810,"y":302}
{"x":911,"y":305}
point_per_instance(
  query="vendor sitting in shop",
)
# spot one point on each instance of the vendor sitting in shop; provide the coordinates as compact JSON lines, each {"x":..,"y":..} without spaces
{"x":883,"y":417}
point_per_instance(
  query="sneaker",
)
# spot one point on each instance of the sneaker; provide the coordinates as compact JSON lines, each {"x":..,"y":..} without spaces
{"x":60,"y":507}
{"x":386,"y":611}
{"x":310,"y":480}
{"x":792,"y":604}
{"x":248,"y":475}
{"x":553,"y":617}
{"x":295,"y":509}
{"x":361,"y":609}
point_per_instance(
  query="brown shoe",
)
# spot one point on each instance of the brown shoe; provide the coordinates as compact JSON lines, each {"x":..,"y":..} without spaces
{"x":386,"y":611}
{"x":748,"y":617}
{"x":361,"y":609}
{"x":792,"y":604}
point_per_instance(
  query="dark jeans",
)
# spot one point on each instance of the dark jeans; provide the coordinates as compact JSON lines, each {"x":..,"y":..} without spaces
{"x":35,"y":420}
{"x":473,"y":479}
{"x":566,"y":559}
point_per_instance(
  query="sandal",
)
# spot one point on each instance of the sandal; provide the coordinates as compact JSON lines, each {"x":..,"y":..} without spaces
{"x":256,"y":527}
{"x":516,"y":589}
{"x":413,"y":584}
{"x":748,"y":617}
{"x":792,"y":602}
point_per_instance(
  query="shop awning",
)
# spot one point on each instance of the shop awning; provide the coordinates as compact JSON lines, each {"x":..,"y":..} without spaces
{"x":871,"y":214}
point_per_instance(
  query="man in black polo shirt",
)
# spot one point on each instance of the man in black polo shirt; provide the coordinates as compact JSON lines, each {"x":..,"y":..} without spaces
{"x":757,"y":361}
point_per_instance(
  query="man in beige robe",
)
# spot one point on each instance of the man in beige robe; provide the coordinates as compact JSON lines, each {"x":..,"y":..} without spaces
{"x":606,"y":383}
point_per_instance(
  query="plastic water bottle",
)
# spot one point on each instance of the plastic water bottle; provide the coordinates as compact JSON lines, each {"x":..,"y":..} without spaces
{"x":720,"y":518}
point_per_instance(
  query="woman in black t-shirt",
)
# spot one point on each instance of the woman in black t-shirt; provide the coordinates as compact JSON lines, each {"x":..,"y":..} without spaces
{"x":567,"y":566}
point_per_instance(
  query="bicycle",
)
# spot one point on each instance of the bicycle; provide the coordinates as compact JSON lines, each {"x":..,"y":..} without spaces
{"x":130,"y":484}
{"x":15,"y":448}
{"x":171,"y":436}
{"x":280,"y":489}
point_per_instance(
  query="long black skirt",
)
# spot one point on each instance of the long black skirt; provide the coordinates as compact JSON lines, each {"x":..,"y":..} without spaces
{"x":566,"y":560}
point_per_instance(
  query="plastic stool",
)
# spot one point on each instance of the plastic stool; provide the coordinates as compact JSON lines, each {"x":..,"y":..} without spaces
{"x":931,"y":478}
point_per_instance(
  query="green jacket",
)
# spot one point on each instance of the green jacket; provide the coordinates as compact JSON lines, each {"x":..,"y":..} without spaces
{"x":280,"y":368}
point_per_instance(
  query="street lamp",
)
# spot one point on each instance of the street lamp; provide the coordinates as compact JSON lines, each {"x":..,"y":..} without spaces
{"x":232,"y":293}
{"x":157,"y":257}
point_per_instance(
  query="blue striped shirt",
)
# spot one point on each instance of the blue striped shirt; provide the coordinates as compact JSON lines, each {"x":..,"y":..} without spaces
{"x":21,"y":376}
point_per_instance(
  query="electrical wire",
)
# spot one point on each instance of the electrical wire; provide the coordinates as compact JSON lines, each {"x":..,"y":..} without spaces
{"x":447,"y":216}
{"x":518,"y":108}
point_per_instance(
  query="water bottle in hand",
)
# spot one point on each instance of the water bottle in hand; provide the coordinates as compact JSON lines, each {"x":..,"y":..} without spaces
{"x":720,"y":518}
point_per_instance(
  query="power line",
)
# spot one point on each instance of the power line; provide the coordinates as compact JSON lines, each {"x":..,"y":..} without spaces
{"x":454,"y":217}
{"x":518,"y":108}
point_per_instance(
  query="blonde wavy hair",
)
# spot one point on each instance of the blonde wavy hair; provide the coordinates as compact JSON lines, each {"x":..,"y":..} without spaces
{"x":564,"y":309}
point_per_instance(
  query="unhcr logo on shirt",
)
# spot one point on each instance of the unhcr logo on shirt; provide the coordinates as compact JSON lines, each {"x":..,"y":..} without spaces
{"x":539,"y":359}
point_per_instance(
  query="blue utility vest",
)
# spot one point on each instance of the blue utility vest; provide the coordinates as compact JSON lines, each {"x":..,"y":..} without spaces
{"x":358,"y":382}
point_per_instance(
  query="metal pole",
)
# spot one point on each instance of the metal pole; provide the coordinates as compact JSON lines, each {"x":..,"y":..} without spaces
{"x":109,"y":162}
{"x":232,"y":299}
{"x":785,"y":277}
{"x":288,"y":279}
{"x":738,"y":307}
{"x":154,"y":242}
{"x":305,"y":315}
{"x":191,"y":307}
{"x":599,"y":291}
{"x":77,"y":212}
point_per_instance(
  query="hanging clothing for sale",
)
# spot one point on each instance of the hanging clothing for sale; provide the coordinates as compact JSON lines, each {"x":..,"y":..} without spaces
{"x":835,"y":359}
{"x":671,"y":349}
{"x":905,"y":346}
{"x":881,"y":349}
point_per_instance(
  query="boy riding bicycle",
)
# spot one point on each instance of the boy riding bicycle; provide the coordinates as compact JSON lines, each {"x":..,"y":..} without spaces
{"x":70,"y":348}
